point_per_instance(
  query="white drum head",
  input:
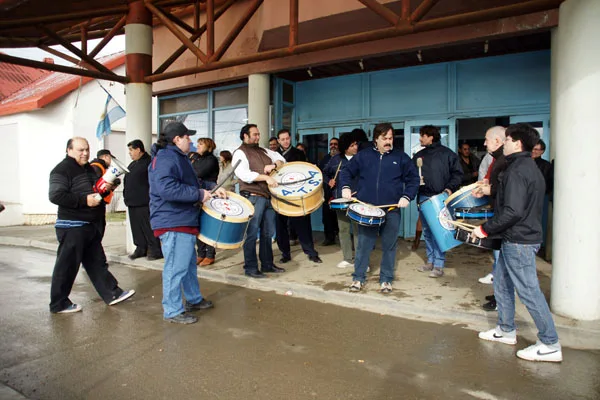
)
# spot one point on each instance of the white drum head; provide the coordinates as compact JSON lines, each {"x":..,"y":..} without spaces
{"x":340,"y":201}
{"x":230,"y":207}
{"x":309,"y":176}
{"x":367,"y":211}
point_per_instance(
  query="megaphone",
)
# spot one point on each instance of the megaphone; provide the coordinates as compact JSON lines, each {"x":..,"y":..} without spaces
{"x":115,"y":170}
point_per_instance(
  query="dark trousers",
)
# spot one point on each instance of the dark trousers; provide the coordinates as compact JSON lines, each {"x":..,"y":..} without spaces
{"x":302,"y":227}
{"x":143,"y":236}
{"x":329,"y":217}
{"x":205,"y":250}
{"x":82,"y":245}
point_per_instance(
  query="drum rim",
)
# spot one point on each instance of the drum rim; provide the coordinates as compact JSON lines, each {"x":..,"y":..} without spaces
{"x":275,"y":204}
{"x":460,"y":191}
{"x":220,"y":245}
{"x":228,"y":218}
{"x":298,"y":197}
{"x":371,"y":216}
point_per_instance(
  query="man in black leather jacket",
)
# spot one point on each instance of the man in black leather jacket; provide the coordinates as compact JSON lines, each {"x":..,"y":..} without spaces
{"x":518,"y":217}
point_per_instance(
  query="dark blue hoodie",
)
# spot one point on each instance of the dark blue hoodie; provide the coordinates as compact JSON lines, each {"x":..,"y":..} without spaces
{"x":382,"y":178}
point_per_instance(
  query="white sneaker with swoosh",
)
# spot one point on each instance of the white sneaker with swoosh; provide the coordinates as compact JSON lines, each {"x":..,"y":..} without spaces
{"x":496,"y":335}
{"x":541,"y":352}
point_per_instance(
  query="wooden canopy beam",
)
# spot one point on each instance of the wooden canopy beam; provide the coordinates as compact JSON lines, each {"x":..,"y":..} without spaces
{"x":381,"y":10}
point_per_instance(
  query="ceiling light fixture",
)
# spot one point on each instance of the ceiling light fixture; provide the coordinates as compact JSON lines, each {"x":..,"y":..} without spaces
{"x":419,"y":56}
{"x":361,"y":65}
{"x":486,"y":46}
{"x":309,"y":72}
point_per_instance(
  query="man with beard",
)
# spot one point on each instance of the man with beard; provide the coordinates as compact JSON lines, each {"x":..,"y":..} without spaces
{"x":300,"y":225}
{"x":256,"y":163}
{"x":385,"y":176}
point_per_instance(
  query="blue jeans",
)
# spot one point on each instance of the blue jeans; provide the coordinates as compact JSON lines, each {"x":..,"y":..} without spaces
{"x":180,"y":272}
{"x":496,"y":254}
{"x":367,"y":236}
{"x":435,"y":256}
{"x":516,"y":270}
{"x":264,"y":218}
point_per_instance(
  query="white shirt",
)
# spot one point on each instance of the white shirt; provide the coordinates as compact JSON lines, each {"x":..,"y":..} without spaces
{"x":483,"y":167}
{"x":243,"y":171}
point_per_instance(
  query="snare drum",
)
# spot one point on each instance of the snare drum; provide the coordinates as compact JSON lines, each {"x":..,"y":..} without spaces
{"x":463,"y":198}
{"x":223,"y":222}
{"x":490,"y":243}
{"x":473,"y":213}
{"x":297,"y":199}
{"x":366,"y":215}
{"x":339,"y":204}
{"x":437,"y":217}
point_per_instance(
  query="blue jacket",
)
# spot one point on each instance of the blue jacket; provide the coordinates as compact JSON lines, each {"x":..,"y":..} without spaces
{"x":382,"y":178}
{"x":330,"y":170}
{"x":174,"y":189}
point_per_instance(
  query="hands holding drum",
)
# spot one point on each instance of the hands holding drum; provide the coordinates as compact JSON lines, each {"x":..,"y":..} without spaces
{"x":484,"y":189}
{"x":220,"y":192}
{"x":347,"y":193}
{"x":403,"y":203}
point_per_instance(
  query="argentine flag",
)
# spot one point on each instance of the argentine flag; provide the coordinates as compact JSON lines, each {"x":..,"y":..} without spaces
{"x":112,"y":112}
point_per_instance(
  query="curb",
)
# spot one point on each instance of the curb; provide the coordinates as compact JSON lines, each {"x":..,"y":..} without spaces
{"x":579,"y":337}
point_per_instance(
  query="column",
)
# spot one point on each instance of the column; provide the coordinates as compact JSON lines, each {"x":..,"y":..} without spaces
{"x":138,"y":58}
{"x":575,"y":101}
{"x":258,"y":105}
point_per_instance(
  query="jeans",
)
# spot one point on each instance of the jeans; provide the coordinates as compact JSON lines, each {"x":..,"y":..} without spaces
{"x":344,"y":223}
{"x":516,"y":270}
{"x":496,"y":254}
{"x":264,"y":218}
{"x":179,"y":272}
{"x":435,"y":256}
{"x":367,"y":236}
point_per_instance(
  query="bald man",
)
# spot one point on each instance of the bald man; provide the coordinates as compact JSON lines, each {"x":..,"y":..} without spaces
{"x":78,"y":230}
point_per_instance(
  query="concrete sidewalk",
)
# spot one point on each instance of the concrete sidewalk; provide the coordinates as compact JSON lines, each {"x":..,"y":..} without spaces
{"x":455,"y":298}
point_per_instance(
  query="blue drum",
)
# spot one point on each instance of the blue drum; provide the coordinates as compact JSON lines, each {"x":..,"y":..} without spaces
{"x":223,"y":222}
{"x":437,"y":216}
{"x":339,"y":204}
{"x":366,"y":215}
{"x":463,"y":198}
{"x":473,"y":213}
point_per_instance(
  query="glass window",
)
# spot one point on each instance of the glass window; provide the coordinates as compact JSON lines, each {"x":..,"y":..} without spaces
{"x":414,"y":138}
{"x":231,"y":97}
{"x":286,"y":117}
{"x":228,"y":124}
{"x":288,"y":93}
{"x":184,"y":103}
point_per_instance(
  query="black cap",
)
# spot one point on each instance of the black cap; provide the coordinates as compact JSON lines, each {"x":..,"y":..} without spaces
{"x":175,"y":129}
{"x":104,"y":152}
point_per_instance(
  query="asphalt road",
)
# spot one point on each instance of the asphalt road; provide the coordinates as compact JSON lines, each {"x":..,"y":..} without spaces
{"x":253,"y":345}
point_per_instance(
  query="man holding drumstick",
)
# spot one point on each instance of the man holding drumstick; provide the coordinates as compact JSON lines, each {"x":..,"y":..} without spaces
{"x":518,"y":217}
{"x":386,"y":176}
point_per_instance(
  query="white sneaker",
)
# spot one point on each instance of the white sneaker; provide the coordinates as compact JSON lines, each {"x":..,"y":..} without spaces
{"x":344,"y":264}
{"x":487,"y":280}
{"x":368,"y":269}
{"x":386,"y":287}
{"x":356,"y":286}
{"x":541,"y":352}
{"x":496,"y":335}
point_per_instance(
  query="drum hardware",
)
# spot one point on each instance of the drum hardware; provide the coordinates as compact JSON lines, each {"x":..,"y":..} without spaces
{"x":224,"y":222}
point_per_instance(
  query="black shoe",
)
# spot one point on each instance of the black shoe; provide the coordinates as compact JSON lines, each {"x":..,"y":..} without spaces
{"x":490,"y":306}
{"x":284,"y":259}
{"x":491,"y":297}
{"x":328,"y":242}
{"x":154,"y":257}
{"x":274,"y":269}
{"x":255,"y":274}
{"x":136,"y":254}
{"x":203,"y":305}
{"x":315,"y":259}
{"x":182,"y":318}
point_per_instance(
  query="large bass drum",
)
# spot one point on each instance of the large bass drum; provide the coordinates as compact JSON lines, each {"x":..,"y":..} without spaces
{"x":223,"y":222}
{"x":300,"y":190}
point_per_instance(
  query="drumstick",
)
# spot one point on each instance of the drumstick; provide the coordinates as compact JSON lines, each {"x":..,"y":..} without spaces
{"x":461,"y":224}
{"x":420,"y":164}
{"x":337,"y":170}
{"x":361,"y":202}
{"x":388,"y":205}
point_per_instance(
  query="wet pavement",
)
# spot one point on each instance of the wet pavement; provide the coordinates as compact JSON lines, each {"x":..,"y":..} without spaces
{"x":253,"y":345}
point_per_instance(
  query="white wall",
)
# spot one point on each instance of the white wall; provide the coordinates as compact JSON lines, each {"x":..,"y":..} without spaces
{"x":34,"y":142}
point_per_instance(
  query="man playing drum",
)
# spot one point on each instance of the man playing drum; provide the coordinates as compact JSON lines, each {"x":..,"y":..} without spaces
{"x":386,"y":176}
{"x":253,"y":174}
{"x":441,"y":173}
{"x":518,"y":217}
{"x":301,"y":225}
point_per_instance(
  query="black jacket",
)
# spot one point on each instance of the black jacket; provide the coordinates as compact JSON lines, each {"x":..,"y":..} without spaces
{"x":70,"y":183}
{"x":206,"y":166}
{"x":293,"y":154}
{"x":136,"y":191}
{"x":441,"y":169}
{"x":519,"y":202}
{"x":547,"y":170}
